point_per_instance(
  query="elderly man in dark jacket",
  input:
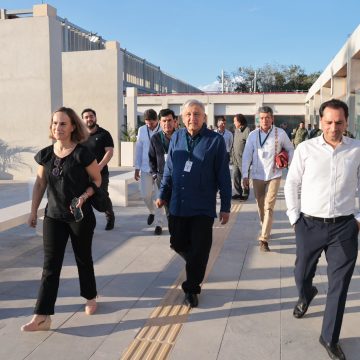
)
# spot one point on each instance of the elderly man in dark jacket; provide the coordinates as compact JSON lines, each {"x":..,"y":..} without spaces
{"x":196,"y":168}
{"x":240,"y":135}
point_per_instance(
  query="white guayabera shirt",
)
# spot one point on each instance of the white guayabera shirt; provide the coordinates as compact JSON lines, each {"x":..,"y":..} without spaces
{"x":259,"y":152}
{"x":329,"y":179}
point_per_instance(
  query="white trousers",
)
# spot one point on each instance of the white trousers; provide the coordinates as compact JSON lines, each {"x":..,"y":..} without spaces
{"x":149,"y":192}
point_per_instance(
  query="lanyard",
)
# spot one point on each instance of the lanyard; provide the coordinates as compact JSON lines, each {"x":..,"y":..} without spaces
{"x":263,"y":142}
{"x":191,"y":143}
{"x":155,"y":130}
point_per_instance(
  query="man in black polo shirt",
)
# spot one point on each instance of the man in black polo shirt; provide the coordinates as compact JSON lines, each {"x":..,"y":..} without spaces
{"x":101,"y":144}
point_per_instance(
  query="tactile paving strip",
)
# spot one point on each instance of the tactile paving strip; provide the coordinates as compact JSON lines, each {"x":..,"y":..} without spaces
{"x":156,"y":339}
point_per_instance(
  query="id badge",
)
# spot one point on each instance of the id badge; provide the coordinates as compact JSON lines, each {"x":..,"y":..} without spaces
{"x":165,"y":156}
{"x":188,"y":166}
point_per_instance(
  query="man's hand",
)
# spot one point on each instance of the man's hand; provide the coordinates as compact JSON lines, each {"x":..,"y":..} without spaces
{"x":224,"y":217}
{"x":137,"y":174}
{"x":160,"y":203}
{"x":358,"y":224}
{"x":246,"y":183}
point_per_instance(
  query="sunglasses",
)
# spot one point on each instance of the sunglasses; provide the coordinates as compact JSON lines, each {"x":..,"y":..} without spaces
{"x":57,"y":170}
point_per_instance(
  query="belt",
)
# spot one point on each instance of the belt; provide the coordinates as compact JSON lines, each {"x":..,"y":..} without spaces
{"x":333,"y":220}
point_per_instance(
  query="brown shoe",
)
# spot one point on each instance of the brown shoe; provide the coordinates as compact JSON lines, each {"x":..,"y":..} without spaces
{"x":264,"y":246}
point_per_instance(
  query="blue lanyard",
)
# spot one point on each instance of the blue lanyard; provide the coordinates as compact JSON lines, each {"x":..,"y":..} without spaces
{"x":262,"y":143}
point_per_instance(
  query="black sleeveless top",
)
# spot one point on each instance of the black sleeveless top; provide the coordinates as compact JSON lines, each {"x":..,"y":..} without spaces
{"x":66,"y":178}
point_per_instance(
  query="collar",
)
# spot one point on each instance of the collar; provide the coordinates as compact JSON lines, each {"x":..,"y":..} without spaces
{"x":321,"y":140}
{"x":261,"y":130}
{"x":200,"y":133}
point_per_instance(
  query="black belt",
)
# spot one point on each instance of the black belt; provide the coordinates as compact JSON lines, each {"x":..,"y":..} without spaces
{"x":333,"y":220}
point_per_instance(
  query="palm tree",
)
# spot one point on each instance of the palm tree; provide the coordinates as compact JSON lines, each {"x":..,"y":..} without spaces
{"x":11,"y":158}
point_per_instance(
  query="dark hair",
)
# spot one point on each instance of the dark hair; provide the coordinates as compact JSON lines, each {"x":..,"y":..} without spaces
{"x":221,"y":118}
{"x":150,"y":114}
{"x":334,"y":104}
{"x":166,"y":112}
{"x":80,"y":132}
{"x":241,"y":119}
{"x":265,"y":109}
{"x":88,"y":110}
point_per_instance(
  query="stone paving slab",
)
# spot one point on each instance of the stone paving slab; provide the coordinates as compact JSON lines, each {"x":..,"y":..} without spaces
{"x":245,"y":309}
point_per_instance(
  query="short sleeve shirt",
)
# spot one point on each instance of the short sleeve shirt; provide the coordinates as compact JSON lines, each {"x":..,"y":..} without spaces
{"x":66,"y":178}
{"x":97,"y":142}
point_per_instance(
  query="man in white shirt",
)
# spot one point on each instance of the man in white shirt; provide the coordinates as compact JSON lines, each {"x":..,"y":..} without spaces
{"x":327,"y":170}
{"x":261,"y":147}
{"x":226,"y":134}
{"x":148,"y":187}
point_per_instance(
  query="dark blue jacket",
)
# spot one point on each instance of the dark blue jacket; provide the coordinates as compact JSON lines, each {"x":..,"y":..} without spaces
{"x":194,"y":193}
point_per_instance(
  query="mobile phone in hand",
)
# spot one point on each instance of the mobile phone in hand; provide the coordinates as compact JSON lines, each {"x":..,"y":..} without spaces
{"x":77,"y":212}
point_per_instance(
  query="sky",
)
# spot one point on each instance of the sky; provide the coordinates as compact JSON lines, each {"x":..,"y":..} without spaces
{"x":193,"y":40}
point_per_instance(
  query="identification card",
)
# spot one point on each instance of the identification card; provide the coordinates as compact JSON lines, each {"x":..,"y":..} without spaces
{"x":165,"y":156}
{"x":188,"y":166}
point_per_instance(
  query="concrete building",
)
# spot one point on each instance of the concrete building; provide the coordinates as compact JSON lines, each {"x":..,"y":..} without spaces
{"x":341,"y":80}
{"x":287,"y":107}
{"x":46,"y":61}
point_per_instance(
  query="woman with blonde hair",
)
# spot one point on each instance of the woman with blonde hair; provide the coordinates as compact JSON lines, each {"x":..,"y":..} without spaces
{"x":66,"y":170}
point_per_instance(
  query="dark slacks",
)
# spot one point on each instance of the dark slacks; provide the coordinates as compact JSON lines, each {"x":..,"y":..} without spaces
{"x":237,"y":177}
{"x":191,"y":237}
{"x":340,"y":243}
{"x":105,"y":186}
{"x":55,"y":237}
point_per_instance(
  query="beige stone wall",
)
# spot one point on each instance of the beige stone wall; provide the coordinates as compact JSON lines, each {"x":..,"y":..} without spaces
{"x":29,"y":83}
{"x":94,"y":79}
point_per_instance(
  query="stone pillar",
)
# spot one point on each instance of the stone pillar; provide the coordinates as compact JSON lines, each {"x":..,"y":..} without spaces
{"x":131,"y":111}
{"x":210,"y":115}
{"x":44,"y":10}
{"x":338,"y":87}
{"x":325,"y":94}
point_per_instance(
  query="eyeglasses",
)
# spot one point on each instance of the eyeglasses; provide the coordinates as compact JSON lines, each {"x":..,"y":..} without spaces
{"x":57,"y":170}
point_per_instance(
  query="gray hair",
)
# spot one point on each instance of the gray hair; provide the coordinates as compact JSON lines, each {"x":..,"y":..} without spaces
{"x":265,"y":109}
{"x":193,"y":102}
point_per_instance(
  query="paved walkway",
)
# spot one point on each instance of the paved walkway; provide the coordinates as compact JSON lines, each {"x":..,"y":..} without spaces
{"x":245,"y":309}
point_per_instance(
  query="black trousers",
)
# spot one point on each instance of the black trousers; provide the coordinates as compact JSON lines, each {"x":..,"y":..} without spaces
{"x":55,"y":237}
{"x":340,"y":243}
{"x":191,"y":237}
{"x":105,"y":186}
{"x":237,"y":177}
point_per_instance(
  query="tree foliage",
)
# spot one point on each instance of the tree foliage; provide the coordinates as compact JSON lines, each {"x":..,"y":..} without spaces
{"x":269,"y":78}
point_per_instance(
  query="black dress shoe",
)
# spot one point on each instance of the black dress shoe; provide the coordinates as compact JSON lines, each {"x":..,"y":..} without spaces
{"x":243,"y":198}
{"x":301,"y":307}
{"x":191,"y":300}
{"x":158,"y":230}
{"x":334,"y":350}
{"x":236,"y":197}
{"x":150,"y":219}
